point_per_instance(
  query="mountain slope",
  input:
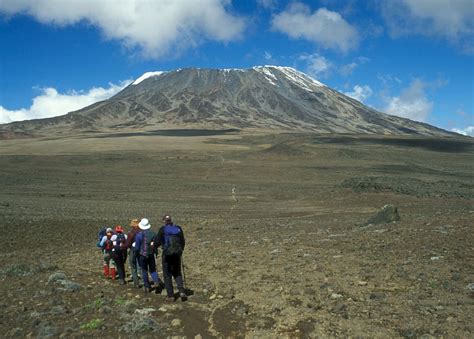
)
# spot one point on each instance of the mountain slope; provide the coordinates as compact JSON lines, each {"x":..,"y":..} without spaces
{"x":267,"y":97}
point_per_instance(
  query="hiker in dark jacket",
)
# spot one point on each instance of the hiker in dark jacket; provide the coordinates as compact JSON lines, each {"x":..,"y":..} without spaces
{"x":145,"y":247}
{"x":119,"y":252}
{"x":171,"y":238}
{"x":133,"y":255}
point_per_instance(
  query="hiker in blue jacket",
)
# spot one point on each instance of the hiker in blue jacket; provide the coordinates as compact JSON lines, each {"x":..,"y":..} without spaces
{"x":171,"y":238}
{"x":145,"y":247}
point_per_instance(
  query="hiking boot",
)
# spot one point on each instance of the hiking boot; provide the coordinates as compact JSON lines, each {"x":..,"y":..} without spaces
{"x":169,"y":300}
{"x":122,"y":282}
{"x":183,"y":296}
{"x":136,"y":283}
{"x":160,"y":287}
{"x":146,"y":290}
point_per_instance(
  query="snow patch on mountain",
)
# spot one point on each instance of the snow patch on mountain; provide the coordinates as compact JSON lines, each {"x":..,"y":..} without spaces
{"x":146,"y":76}
{"x":268,"y":74}
{"x":299,"y":78}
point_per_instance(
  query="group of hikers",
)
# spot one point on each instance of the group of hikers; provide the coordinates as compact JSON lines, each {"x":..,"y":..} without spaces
{"x":140,"y":245}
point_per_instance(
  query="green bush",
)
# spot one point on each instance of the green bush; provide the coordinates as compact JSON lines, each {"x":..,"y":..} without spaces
{"x":92,"y":325}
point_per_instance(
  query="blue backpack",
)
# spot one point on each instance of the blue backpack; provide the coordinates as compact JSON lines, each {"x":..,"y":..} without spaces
{"x":172,"y":242}
{"x":101,"y":234}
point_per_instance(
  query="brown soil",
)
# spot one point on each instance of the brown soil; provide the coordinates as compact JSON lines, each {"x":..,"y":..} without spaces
{"x":285,"y":255}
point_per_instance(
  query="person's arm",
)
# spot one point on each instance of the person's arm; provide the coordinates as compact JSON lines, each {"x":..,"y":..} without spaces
{"x":130,"y":239}
{"x":102,"y":241}
{"x":159,"y":238}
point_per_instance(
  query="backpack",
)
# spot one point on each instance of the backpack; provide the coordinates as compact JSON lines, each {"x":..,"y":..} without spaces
{"x":147,"y":249}
{"x":101,"y":234}
{"x":108,"y":246}
{"x":172,"y":243}
{"x":120,"y":242}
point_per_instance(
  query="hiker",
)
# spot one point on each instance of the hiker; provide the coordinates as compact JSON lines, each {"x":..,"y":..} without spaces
{"x":171,"y":238}
{"x":106,"y":244}
{"x":133,"y":254}
{"x":145,"y":247}
{"x":119,"y":252}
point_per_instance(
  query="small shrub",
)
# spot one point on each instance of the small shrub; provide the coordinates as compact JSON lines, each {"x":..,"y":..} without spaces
{"x":97,"y":303}
{"x":120,"y":301}
{"x":92,"y":325}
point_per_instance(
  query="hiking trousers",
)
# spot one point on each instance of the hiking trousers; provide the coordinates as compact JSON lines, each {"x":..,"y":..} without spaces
{"x":172,"y":268}
{"x":133,"y":259}
{"x":108,"y":260}
{"x":147,"y":264}
{"x":120,"y":257}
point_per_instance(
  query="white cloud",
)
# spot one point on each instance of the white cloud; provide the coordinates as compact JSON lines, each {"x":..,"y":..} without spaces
{"x":360,"y":93}
{"x":469,"y":130}
{"x":267,"y":56}
{"x":348,"y":68}
{"x":323,"y":27}
{"x":412,"y":103}
{"x":51,"y":103}
{"x":158,"y":28}
{"x":317,"y":65}
{"x":450,"y":19}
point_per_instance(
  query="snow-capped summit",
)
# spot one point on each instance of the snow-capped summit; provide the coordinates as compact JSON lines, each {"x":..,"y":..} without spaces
{"x":146,"y":76}
{"x":265,"y":97}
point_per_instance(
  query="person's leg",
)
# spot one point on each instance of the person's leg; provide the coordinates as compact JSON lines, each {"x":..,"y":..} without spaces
{"x":167,"y":277}
{"x":113,"y":268}
{"x":120,"y":267}
{"x":133,"y":267}
{"x":124,"y":256}
{"x":144,"y":267}
{"x":177,"y":274}
{"x":154,"y":275}
{"x":106,"y":257}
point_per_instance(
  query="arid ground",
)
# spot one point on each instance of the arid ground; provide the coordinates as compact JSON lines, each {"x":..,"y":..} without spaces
{"x":288,"y":254}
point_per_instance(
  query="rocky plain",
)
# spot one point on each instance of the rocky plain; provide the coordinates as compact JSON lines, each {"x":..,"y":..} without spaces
{"x":283,"y":234}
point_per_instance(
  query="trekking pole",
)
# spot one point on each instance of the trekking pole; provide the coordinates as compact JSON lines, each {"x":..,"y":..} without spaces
{"x":184,"y":274}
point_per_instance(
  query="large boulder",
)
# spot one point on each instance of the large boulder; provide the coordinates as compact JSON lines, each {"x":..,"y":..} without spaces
{"x":387,"y":215}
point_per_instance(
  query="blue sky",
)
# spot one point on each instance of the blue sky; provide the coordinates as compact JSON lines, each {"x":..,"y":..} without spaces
{"x":412,"y":58}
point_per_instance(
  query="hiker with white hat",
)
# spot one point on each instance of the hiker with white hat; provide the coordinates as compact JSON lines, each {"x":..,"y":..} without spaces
{"x":145,"y":247}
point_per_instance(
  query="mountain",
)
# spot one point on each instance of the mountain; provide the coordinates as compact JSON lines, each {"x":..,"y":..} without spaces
{"x":265,"y":97}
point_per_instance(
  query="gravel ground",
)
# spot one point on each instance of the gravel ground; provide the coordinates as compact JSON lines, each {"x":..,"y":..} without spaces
{"x":287,"y":253}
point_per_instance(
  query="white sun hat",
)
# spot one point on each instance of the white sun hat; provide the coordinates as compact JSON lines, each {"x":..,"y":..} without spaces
{"x":144,"y":224}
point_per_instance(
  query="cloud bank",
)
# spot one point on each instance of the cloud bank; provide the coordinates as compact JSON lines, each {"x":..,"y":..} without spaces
{"x":323,"y":27}
{"x":51,"y":103}
{"x":157,"y":28}
{"x":448,"y":19}
{"x":412,"y":103}
{"x":468,"y":131}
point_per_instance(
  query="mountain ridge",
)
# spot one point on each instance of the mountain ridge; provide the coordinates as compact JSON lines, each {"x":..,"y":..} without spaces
{"x":262,"y":97}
